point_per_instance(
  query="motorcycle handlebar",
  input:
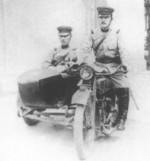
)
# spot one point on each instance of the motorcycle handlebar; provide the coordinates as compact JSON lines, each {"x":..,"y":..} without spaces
{"x":108,"y":73}
{"x":76,"y":68}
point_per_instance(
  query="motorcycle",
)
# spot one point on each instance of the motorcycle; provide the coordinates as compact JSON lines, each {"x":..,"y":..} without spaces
{"x":82,"y":95}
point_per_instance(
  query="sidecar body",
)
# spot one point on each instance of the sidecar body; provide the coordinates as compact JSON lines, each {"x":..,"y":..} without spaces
{"x":45,"y":88}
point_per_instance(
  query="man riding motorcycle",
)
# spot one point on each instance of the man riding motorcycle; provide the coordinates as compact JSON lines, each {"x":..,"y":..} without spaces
{"x":104,"y":43}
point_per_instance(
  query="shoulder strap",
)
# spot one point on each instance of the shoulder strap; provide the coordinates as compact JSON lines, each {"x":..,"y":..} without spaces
{"x":100,"y":42}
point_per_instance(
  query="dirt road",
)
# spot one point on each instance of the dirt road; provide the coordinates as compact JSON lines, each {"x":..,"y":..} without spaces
{"x":18,"y":142}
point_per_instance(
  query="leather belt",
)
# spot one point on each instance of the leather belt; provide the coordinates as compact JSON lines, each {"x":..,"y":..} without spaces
{"x":106,"y":60}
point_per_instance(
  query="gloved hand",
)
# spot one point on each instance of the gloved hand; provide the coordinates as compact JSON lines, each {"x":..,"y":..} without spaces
{"x":71,"y":57}
{"x":69,"y":64}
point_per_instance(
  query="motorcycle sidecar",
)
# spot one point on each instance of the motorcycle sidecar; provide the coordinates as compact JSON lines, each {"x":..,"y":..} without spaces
{"x":43,"y":89}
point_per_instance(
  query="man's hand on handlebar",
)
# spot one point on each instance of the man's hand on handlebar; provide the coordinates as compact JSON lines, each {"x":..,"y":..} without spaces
{"x":69,"y":64}
{"x":72,"y":66}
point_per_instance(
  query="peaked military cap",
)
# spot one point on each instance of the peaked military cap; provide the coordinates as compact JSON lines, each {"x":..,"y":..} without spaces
{"x":64,"y":30}
{"x":105,"y":10}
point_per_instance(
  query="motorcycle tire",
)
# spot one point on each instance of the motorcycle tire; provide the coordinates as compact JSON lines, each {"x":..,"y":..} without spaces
{"x":84,"y":132}
{"x":30,"y":122}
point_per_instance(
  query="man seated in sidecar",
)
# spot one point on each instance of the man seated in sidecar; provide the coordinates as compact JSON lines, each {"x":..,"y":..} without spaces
{"x":59,"y":59}
{"x":106,"y":46}
{"x":63,"y":54}
{"x":46,"y":86}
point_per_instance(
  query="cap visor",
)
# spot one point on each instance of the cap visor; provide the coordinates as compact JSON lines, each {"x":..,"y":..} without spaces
{"x":64,"y":34}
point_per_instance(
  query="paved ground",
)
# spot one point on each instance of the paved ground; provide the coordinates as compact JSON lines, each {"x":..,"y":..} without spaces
{"x":18,"y":142}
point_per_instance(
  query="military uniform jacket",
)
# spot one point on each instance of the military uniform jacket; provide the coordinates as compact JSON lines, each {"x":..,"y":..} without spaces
{"x":58,"y":56}
{"x":106,"y":48}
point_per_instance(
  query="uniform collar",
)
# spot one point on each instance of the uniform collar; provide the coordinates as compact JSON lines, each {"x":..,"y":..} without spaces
{"x":65,"y":47}
{"x":105,"y":30}
{"x":98,"y":33}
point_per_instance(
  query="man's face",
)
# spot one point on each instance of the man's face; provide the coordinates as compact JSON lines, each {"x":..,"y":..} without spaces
{"x":65,"y":39}
{"x":104,"y":21}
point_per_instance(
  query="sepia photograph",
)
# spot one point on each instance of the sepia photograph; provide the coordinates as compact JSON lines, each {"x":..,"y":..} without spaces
{"x":74,"y":80}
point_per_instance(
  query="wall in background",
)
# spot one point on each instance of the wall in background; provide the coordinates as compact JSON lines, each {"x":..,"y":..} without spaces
{"x":129,"y":17}
{"x":28,"y":31}
{"x":31,"y":28}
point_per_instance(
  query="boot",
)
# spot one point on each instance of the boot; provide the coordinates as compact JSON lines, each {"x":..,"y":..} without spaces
{"x":121,"y":125}
{"x":123,"y":105}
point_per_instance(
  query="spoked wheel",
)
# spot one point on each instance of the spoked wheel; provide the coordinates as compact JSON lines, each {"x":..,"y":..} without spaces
{"x":84,"y":130}
{"x":30,"y":122}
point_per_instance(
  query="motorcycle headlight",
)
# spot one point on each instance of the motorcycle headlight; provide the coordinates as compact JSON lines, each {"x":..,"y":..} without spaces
{"x":86,"y":73}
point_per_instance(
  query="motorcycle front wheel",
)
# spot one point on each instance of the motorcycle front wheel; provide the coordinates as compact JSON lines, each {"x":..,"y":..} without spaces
{"x":84,"y":131}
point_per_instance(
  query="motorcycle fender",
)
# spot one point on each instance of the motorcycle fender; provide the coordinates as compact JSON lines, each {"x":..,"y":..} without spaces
{"x":81,"y":97}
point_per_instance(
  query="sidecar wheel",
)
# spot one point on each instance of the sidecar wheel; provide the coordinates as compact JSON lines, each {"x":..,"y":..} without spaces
{"x":29,"y":121}
{"x":84,"y":131}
